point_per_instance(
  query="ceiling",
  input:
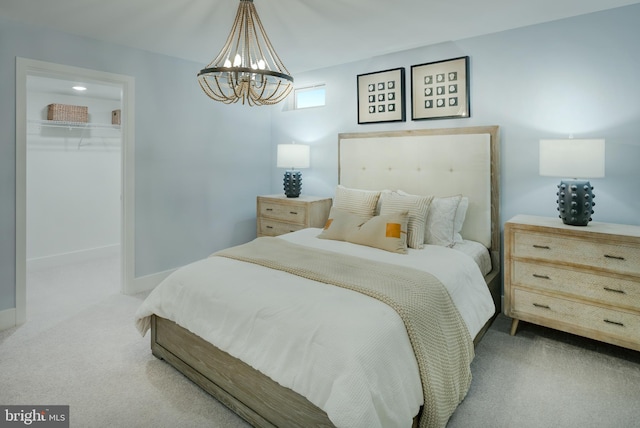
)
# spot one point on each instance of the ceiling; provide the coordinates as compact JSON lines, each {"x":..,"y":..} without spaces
{"x":62,"y":86}
{"x":307,"y":34}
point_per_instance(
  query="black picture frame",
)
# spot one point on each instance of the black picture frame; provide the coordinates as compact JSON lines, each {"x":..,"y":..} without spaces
{"x":440,"y":90}
{"x":381,"y":96}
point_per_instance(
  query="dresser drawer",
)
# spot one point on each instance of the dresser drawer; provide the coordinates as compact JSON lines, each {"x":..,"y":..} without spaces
{"x":558,"y":248}
{"x":603,"y":289}
{"x":267,"y":227}
{"x":277,"y":214}
{"x":619,"y":324}
{"x":289,"y":213}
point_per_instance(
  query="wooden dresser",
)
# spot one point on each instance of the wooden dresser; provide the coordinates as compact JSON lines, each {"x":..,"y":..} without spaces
{"x":277,"y":214}
{"x":583,"y":280}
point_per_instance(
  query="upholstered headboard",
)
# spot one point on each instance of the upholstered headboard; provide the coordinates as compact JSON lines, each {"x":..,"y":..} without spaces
{"x":439,"y":162}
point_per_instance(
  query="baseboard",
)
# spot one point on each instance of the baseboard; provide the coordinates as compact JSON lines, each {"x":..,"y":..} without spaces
{"x":73,"y":257}
{"x":148,"y":282}
{"x":7,"y":318}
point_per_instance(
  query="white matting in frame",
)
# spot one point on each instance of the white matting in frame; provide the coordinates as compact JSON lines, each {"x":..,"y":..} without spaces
{"x":440,"y":90}
{"x":381,"y":96}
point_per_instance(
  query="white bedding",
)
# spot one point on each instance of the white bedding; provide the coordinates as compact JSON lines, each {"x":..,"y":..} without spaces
{"x":349,"y":354}
{"x":477,"y":252}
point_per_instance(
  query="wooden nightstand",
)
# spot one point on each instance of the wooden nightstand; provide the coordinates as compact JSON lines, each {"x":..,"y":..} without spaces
{"x":277,"y":214}
{"x":583,"y":280}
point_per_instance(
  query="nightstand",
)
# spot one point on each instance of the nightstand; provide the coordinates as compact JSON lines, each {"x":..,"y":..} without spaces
{"x":277,"y":214}
{"x":583,"y":280}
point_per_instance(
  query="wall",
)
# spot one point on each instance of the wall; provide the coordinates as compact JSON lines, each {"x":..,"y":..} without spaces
{"x":574,"y":76}
{"x":199,"y":166}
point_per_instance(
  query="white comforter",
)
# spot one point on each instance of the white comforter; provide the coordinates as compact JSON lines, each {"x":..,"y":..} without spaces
{"x":347,"y":353}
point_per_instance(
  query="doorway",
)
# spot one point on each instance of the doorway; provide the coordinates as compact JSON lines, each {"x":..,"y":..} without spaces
{"x":64,"y":179}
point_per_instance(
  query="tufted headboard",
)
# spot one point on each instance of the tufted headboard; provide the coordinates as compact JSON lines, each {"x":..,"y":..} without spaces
{"x":439,"y":162}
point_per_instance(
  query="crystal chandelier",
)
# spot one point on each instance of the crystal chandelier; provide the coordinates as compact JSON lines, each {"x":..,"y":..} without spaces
{"x":247,"y":68}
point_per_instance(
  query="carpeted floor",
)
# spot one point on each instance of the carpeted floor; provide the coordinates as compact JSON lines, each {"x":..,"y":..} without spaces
{"x":546,"y":378}
{"x":80,"y":348}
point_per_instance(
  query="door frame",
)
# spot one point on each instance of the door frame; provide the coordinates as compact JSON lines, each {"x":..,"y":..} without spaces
{"x":26,"y":67}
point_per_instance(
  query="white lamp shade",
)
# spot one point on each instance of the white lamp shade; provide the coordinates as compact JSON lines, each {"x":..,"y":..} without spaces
{"x":572,"y":158}
{"x":293,"y":156}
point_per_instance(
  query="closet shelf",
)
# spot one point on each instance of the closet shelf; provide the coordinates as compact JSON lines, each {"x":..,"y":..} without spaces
{"x":72,"y":125}
{"x":83,"y":129}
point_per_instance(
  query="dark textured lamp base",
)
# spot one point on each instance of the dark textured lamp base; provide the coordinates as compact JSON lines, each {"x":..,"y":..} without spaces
{"x":292,"y":183}
{"x":575,"y":202}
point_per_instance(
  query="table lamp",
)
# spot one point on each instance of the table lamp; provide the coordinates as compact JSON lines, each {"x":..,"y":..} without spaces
{"x":293,"y":156}
{"x":578,"y":159}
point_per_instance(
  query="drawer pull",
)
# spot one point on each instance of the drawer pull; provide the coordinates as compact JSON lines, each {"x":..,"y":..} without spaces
{"x":293,"y":212}
{"x":269,"y":227}
{"x":542,"y":247}
{"x":535,"y":275}
{"x":614,"y":257}
{"x":613,"y":322}
{"x":538,"y":305}
{"x":613,"y":290}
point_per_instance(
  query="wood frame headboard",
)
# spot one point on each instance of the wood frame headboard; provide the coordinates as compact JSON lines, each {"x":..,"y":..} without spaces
{"x":439,"y":162}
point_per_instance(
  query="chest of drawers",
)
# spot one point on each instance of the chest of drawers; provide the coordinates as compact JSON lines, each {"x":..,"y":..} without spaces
{"x":582,"y":280}
{"x":277,"y":214}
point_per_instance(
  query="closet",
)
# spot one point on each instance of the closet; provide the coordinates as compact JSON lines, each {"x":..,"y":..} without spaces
{"x":73,"y":182}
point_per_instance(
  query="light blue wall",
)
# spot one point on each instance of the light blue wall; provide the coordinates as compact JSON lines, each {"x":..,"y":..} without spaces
{"x":199,"y":164}
{"x":576,"y":76}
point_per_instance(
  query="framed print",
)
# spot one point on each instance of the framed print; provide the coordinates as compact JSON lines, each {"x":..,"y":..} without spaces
{"x":440,"y":90}
{"x":381,"y":96}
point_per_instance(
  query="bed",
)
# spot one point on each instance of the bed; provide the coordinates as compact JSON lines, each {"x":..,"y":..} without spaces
{"x":279,"y":365}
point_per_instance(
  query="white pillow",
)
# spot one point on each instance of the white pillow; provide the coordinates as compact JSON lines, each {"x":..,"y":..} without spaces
{"x":440,"y":227}
{"x":458,"y":222}
{"x":417,"y":207}
{"x":357,"y":201}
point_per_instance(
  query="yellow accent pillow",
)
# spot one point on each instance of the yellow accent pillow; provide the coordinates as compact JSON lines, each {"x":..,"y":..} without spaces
{"x":340,"y":222}
{"x":394,"y":230}
{"x":386,"y":232}
{"x":417,"y":206}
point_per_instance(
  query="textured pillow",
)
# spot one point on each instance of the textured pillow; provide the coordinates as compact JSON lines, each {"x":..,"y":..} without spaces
{"x":388,"y":232}
{"x":362,"y":202}
{"x":383,"y":195}
{"x":440,"y":226}
{"x":341,"y":222}
{"x":416,"y":206}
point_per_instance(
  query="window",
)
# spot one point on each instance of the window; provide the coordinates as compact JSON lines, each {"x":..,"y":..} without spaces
{"x":311,"y":96}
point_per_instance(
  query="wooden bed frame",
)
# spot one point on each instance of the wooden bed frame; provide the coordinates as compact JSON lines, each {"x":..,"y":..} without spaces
{"x":255,"y":397}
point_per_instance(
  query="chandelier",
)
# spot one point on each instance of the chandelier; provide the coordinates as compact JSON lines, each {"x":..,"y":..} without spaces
{"x":247,"y":68}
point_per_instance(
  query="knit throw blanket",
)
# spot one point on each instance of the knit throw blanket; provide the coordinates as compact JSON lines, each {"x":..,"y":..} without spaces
{"x":440,"y":339}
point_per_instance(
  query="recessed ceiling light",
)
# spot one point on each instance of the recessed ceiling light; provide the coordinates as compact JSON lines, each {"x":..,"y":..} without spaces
{"x":80,"y":88}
